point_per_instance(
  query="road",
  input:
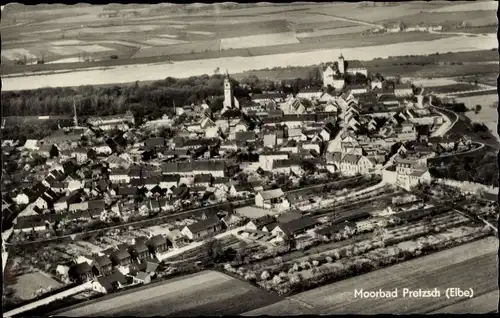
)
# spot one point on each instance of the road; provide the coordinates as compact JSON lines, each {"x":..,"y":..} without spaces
{"x":170,"y":216}
{"x":481,"y":146}
{"x":446,"y":110}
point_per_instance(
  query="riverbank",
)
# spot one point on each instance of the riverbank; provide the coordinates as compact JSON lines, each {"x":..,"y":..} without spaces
{"x":182,"y":69}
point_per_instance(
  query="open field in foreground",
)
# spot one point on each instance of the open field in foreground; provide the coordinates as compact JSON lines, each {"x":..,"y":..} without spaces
{"x":205,"y":293}
{"x":28,"y":284}
{"x":472,"y":265}
{"x":480,"y":304}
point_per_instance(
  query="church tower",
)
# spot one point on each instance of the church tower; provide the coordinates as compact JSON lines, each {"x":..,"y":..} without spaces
{"x":228,"y":92}
{"x":341,"y":63}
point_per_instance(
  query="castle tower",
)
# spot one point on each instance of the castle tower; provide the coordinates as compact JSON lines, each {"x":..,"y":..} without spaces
{"x":228,"y":92}
{"x":341,"y":63}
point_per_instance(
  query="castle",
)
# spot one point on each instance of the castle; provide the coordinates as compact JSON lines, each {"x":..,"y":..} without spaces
{"x":334,"y":73}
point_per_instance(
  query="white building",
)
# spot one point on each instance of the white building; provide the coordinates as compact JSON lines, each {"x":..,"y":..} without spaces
{"x":272,"y":199}
{"x":266,"y":159}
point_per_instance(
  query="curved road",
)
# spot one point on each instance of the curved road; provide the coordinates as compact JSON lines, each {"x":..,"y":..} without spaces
{"x":183,"y":213}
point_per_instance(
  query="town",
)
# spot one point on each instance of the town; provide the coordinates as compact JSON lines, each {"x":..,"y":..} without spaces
{"x":340,"y":171}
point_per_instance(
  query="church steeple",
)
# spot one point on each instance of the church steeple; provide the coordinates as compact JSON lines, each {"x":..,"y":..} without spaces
{"x":228,"y":92}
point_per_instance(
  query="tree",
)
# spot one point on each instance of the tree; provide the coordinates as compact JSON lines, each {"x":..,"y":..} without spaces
{"x":54,"y":152}
{"x":477,"y":109}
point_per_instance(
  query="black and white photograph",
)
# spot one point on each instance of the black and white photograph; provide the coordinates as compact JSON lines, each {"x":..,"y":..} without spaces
{"x":249,"y":158}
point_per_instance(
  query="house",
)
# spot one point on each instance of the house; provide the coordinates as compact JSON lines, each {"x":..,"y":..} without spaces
{"x":239,"y":190}
{"x":157,"y":244}
{"x":119,"y":176}
{"x":109,"y":283}
{"x":294,"y":227}
{"x":355,"y":164}
{"x":272,"y":199}
{"x":336,"y":230}
{"x":328,"y":132}
{"x":138,"y":251}
{"x":31,"y":144}
{"x":202,"y":180}
{"x":405,"y":90}
{"x":81,"y":272}
{"x":175,"y":238}
{"x":259,"y":223}
{"x":202,"y":228}
{"x":270,"y":140}
{"x":358,"y":89}
{"x":102,"y":265}
{"x":266,"y":158}
{"x":155,"y":142}
{"x":141,"y":278}
{"x":168,"y":181}
{"x":29,"y":223}
{"x":120,"y":257}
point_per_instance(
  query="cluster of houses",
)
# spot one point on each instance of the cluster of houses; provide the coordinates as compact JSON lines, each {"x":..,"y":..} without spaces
{"x":119,"y":266}
{"x":119,"y":170}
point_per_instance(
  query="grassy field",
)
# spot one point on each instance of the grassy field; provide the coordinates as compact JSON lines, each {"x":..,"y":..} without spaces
{"x":455,"y":267}
{"x":205,"y":293}
{"x":28,"y":284}
{"x":448,"y":20}
{"x":481,"y":304}
{"x":488,"y":114}
{"x":458,"y":87}
{"x":318,"y":26}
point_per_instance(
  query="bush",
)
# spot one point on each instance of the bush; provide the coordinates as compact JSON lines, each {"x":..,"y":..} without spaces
{"x":329,"y":259}
{"x":265,"y":275}
{"x":276,"y":280}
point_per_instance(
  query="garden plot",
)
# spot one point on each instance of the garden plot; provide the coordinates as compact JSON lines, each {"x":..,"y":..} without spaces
{"x":113,"y":29}
{"x":13,"y":54}
{"x":72,"y":50}
{"x":163,"y":41}
{"x":29,"y":286}
{"x":368,"y":14}
{"x":475,"y":6}
{"x":271,"y":39}
{"x":338,"y":31}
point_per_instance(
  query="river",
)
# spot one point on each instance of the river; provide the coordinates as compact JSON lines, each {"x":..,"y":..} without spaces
{"x":182,"y":69}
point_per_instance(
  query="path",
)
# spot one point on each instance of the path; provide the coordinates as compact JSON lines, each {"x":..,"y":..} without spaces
{"x":481,"y":146}
{"x":449,"y":127}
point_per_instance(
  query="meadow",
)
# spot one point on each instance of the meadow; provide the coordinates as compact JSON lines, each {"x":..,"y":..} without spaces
{"x":206,"y":293}
{"x":149,"y":32}
{"x":453,"y":267}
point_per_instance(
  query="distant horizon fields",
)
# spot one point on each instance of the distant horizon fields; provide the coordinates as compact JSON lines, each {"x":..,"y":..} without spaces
{"x":121,"y":36}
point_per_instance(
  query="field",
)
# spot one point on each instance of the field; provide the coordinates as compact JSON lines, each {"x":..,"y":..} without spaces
{"x":27,"y":285}
{"x":483,"y":5}
{"x":458,"y":87}
{"x":455,"y":267}
{"x":271,"y":39}
{"x":481,"y":304}
{"x":206,"y":293}
{"x":449,"y":20}
{"x":316,"y":26}
{"x":488,"y":114}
